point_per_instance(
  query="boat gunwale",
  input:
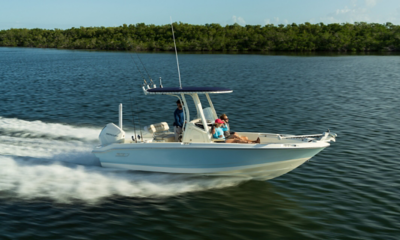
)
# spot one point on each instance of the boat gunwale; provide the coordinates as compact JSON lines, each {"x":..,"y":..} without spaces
{"x":251,"y":147}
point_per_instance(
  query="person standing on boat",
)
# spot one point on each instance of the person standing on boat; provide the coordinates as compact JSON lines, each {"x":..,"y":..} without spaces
{"x":179,"y":120}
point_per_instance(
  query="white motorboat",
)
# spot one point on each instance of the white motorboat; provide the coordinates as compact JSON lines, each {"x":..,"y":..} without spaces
{"x":197,"y":152}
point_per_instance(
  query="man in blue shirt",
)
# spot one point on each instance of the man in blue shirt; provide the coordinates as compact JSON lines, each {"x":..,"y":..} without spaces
{"x":179,"y":120}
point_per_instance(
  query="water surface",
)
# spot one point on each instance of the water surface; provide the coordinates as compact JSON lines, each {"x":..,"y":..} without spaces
{"x":53,"y":104}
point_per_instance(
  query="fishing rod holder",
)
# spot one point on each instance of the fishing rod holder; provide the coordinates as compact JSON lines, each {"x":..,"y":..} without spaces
{"x":120,"y":115}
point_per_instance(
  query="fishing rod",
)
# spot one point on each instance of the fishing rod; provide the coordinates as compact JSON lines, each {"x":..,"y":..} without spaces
{"x":151,"y":80}
{"x":144,"y":80}
{"x":133,"y":103}
{"x":140,"y":126}
{"x":133,"y":118}
{"x":176,"y":53}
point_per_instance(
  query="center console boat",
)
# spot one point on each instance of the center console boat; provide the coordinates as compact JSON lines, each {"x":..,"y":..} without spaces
{"x":197,"y":152}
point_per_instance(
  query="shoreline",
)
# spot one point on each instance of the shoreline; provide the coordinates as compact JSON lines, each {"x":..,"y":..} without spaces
{"x":305,"y":37}
{"x":273,"y":53}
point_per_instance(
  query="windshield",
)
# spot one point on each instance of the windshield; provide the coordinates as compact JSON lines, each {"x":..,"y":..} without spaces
{"x":208,"y":114}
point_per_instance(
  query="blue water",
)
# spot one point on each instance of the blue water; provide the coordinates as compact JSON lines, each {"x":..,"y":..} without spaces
{"x":53,"y":104}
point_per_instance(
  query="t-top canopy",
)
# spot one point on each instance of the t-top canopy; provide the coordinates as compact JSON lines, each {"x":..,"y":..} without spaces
{"x":188,"y":90}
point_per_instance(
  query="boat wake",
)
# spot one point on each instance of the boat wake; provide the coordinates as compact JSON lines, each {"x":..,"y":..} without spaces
{"x":51,"y":160}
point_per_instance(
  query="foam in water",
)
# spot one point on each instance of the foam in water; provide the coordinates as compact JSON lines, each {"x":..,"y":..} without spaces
{"x":62,"y":183}
{"x":40,"y":162}
{"x":39,"y":128}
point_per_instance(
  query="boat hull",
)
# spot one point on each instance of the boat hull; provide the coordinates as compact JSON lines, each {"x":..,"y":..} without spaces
{"x":261,"y":162}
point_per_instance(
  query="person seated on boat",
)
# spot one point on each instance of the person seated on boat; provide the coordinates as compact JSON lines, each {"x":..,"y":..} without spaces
{"x":217,"y":131}
{"x":219,"y":134}
{"x":179,"y":119}
{"x":212,"y":129}
{"x":228,"y":134}
{"x":225,"y":127}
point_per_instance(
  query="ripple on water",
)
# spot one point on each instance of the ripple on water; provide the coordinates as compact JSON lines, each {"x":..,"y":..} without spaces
{"x":52,"y":187}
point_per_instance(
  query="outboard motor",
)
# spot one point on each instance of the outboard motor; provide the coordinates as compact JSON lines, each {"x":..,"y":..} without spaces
{"x":111,"y":133}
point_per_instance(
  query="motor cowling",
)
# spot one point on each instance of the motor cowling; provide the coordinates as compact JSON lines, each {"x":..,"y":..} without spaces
{"x":111,"y":133}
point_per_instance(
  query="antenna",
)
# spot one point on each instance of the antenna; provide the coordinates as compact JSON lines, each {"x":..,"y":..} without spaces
{"x":176,"y":53}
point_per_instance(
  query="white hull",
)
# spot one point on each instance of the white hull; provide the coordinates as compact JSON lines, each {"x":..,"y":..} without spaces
{"x":257,"y":172}
{"x":257,"y":161}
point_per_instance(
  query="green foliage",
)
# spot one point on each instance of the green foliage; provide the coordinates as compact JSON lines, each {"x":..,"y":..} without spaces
{"x":356,"y":37}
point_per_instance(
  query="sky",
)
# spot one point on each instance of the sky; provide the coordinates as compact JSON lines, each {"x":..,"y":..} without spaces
{"x":50,"y":14}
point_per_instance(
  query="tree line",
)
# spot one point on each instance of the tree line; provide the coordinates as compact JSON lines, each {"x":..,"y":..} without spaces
{"x":357,"y":37}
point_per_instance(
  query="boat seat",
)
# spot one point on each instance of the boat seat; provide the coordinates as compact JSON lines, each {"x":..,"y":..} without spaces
{"x":158,"y":127}
{"x":165,"y":137}
{"x":218,"y":140}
